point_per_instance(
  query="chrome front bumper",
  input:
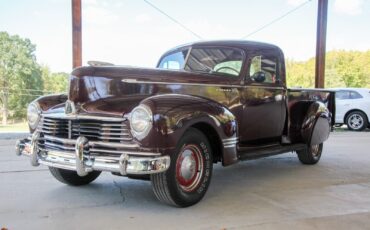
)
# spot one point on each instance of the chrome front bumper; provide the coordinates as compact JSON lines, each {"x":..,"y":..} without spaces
{"x":125,"y":164}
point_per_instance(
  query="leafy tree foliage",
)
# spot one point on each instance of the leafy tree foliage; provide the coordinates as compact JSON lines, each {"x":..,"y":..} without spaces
{"x":54,"y":82}
{"x":343,"y":69}
{"x":21,"y":77}
{"x":18,"y":71}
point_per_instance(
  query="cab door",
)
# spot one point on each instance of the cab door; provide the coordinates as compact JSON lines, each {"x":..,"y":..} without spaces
{"x":263,"y":99}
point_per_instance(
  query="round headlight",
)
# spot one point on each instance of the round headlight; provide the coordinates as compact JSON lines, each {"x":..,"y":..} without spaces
{"x":33,"y":115}
{"x":141,"y":121}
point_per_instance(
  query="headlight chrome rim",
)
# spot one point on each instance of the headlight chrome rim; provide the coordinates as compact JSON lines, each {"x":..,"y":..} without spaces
{"x":143,"y":132}
{"x":33,"y":115}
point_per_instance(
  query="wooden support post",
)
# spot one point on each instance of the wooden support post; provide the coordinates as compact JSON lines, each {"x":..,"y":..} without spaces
{"x":76,"y":33}
{"x":322,"y":15}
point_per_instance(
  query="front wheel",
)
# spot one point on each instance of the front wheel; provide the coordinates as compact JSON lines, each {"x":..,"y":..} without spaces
{"x":71,"y":178}
{"x":311,"y":155}
{"x":188,"y":177}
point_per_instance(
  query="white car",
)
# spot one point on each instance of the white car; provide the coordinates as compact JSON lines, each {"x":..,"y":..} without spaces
{"x":352,"y":108}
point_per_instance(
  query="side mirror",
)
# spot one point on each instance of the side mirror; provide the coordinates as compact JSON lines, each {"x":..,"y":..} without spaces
{"x":259,"y":76}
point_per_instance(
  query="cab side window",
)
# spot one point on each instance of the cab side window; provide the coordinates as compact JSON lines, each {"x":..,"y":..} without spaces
{"x":264,"y":69}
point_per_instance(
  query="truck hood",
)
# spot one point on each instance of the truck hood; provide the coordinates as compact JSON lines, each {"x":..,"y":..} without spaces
{"x":117,"y":90}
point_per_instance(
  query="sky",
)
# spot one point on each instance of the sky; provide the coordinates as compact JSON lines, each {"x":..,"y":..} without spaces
{"x":131,"y":32}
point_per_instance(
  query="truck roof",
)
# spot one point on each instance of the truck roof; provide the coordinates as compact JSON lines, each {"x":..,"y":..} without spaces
{"x":242,"y":44}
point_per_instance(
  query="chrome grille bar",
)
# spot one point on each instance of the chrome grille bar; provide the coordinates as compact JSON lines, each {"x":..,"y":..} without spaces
{"x":114,"y":130}
{"x":106,"y":137}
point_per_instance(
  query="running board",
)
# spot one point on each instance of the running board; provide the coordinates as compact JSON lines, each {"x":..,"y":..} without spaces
{"x":248,"y":153}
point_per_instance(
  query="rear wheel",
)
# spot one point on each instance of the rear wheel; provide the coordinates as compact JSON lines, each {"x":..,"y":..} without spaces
{"x":71,"y":178}
{"x":187,"y":180}
{"x":357,"y":121}
{"x":311,"y":155}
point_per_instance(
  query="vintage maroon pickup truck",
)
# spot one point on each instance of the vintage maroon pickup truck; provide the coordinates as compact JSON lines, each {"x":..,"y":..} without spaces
{"x":206,"y":102}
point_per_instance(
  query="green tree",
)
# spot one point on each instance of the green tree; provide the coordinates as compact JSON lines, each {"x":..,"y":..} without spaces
{"x":53,"y":82}
{"x":348,"y":68}
{"x":342,"y":69}
{"x":19,"y":72}
{"x":300,"y":74}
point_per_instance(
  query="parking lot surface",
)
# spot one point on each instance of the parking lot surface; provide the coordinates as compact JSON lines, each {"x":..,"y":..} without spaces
{"x":269,"y":193}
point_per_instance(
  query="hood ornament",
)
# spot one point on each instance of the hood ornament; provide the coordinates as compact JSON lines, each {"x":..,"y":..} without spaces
{"x":70,"y":108}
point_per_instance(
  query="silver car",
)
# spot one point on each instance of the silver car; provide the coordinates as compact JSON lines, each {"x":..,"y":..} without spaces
{"x":352,"y":107}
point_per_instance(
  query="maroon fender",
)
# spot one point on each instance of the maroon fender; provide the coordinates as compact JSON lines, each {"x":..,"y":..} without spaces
{"x":50,"y":103}
{"x":173,"y":114}
{"x":316,"y":124}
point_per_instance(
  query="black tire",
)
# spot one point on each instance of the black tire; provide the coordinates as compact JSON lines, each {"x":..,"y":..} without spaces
{"x":310,"y":155}
{"x":357,"y":121}
{"x":188,"y":178}
{"x":139,"y":177}
{"x":71,"y":178}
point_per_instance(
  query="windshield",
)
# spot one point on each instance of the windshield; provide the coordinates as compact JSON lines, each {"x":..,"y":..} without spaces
{"x":215,"y":60}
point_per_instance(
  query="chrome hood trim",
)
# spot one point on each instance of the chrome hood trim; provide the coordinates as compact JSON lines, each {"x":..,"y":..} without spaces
{"x":82,"y":116}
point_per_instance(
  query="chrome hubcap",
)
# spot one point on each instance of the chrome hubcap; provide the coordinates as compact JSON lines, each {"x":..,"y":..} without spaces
{"x":188,"y":164}
{"x":355,"y":121}
{"x":189,"y":168}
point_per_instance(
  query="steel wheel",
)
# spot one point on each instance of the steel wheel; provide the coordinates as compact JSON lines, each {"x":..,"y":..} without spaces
{"x":189,"y":168}
{"x":187,"y":180}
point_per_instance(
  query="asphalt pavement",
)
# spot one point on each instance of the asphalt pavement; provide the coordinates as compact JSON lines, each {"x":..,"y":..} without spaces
{"x":269,"y":193}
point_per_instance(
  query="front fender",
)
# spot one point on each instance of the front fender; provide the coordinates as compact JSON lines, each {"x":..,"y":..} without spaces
{"x":316,"y":124}
{"x":173,"y":114}
{"x":50,"y":103}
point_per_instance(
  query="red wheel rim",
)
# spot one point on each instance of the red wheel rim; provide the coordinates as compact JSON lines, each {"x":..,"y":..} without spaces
{"x":189,"y":168}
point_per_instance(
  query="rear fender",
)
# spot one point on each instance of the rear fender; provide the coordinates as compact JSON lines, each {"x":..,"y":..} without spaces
{"x":316,"y":124}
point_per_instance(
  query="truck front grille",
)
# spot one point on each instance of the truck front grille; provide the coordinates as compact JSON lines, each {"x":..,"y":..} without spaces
{"x":55,"y":132}
{"x":109,"y":131}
